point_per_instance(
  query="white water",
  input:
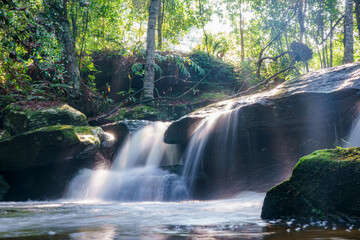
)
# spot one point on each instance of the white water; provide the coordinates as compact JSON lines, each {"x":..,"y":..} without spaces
{"x":228,"y":218}
{"x":225,"y":140}
{"x":135,"y":174}
{"x":354,"y":138}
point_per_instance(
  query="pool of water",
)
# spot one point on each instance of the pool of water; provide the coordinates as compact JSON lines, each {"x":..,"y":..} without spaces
{"x":234,"y":218}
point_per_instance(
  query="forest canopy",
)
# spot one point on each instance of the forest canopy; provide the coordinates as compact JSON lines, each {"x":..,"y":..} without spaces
{"x":50,"y":48}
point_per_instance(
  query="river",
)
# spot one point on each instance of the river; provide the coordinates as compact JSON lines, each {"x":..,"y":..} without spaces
{"x":233,"y":218}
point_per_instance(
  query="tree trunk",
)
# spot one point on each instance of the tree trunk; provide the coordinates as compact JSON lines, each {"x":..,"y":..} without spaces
{"x":242,"y":45}
{"x":301,"y":20}
{"x":59,"y":15}
{"x":160,"y":22}
{"x":150,"y":52}
{"x":357,"y":11}
{"x":348,"y":33}
{"x":331,"y":44}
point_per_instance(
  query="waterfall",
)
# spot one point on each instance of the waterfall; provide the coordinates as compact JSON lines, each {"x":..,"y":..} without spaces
{"x":220,"y":128}
{"x":136,"y":173}
{"x":354,"y":137}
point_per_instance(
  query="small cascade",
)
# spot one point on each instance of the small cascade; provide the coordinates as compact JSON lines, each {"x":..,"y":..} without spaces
{"x":136,"y":173}
{"x":354,"y":138}
{"x":221,"y":125}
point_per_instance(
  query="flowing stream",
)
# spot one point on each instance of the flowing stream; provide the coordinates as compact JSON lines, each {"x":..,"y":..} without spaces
{"x":136,"y":173}
{"x":137,"y":198}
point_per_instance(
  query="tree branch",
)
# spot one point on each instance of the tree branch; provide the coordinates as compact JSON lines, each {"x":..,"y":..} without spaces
{"x":260,"y":83}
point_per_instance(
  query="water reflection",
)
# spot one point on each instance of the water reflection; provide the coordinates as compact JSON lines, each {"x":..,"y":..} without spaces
{"x":235,"y":218}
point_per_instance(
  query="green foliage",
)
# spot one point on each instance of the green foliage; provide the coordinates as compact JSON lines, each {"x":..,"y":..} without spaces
{"x":214,"y":95}
{"x":221,"y":72}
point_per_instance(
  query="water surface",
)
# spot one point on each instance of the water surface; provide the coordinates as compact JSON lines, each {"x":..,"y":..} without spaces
{"x":235,"y":218}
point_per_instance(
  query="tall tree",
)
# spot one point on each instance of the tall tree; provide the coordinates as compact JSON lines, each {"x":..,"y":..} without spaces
{"x":161,"y":12}
{"x":241,"y":23}
{"x":148,"y":92}
{"x":348,"y":33}
{"x":58,"y":13}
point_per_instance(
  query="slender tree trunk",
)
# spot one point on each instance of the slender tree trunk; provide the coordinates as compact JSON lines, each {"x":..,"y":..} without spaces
{"x":150,"y":51}
{"x":357,"y":11}
{"x":160,"y":22}
{"x":331,"y":44}
{"x":59,"y":15}
{"x":348,"y":33}
{"x":301,"y":20}
{"x":73,"y":16}
{"x":242,"y":45}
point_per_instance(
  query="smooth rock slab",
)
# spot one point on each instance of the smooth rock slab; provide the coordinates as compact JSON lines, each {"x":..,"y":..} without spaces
{"x":324,"y":185}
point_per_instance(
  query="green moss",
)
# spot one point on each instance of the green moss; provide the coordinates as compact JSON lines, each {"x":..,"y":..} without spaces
{"x":142,"y":112}
{"x":323,"y":185}
{"x":138,"y":112}
{"x":48,"y":144}
{"x":4,"y":135}
{"x":18,"y":119}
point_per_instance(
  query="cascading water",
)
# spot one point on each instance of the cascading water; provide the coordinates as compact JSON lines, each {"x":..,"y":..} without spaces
{"x":225,"y":138}
{"x":354,"y":138}
{"x":136,"y":174}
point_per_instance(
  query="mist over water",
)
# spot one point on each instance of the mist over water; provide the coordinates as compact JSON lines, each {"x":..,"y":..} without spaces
{"x":354,"y":137}
{"x":136,"y":173}
{"x":136,"y":198}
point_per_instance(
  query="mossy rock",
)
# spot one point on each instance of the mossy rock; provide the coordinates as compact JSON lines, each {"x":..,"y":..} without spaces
{"x":139,"y":112}
{"x":19,"y":118}
{"x":4,"y":134}
{"x":324,"y":185}
{"x":49,"y":145}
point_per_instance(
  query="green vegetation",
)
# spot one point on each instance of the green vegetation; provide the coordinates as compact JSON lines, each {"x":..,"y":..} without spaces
{"x":57,"y":50}
{"x":138,"y":112}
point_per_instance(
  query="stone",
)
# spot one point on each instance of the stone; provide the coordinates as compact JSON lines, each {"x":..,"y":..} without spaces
{"x":271,"y":130}
{"x":39,"y":164}
{"x":4,"y":187}
{"x":323,"y":186}
{"x":47,"y":145}
{"x":118,"y":131}
{"x":22,"y":117}
{"x":139,"y":112}
{"x":4,"y":134}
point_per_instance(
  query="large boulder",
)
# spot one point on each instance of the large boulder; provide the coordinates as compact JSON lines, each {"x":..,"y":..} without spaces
{"x":324,"y":186}
{"x":252,"y":142}
{"x":49,"y":144}
{"x":38,"y":164}
{"x":25,"y":116}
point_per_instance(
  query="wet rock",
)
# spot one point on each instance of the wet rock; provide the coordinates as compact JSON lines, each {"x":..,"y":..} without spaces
{"x":271,"y":130}
{"x":118,"y":131}
{"x":181,"y":130}
{"x":38,"y":164}
{"x":4,"y":187}
{"x":47,"y":145}
{"x":323,"y":185}
{"x":22,"y":117}
{"x":4,"y":134}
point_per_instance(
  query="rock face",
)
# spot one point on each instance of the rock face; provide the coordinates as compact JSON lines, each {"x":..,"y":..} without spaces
{"x":19,"y":117}
{"x":48,"y":145}
{"x":272,"y":130}
{"x":324,"y":185}
{"x":38,"y":164}
{"x":49,"y":142}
